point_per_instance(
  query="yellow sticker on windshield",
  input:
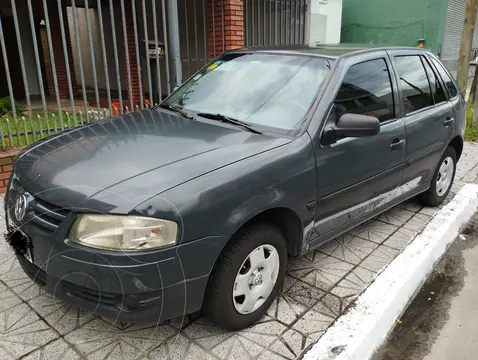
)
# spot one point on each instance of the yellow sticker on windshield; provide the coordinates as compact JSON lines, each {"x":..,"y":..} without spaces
{"x":213,"y":66}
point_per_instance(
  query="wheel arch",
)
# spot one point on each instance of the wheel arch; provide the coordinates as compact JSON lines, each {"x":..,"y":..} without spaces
{"x":286,"y":220}
{"x":457,"y":144}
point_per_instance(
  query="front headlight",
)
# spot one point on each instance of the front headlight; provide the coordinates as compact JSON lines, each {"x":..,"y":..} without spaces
{"x":123,"y":232}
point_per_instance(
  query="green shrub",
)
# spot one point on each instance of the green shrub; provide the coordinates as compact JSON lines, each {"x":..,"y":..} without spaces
{"x":6,"y":107}
{"x":471,"y":133}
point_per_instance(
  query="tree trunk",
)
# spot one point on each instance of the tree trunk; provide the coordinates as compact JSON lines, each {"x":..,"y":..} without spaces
{"x":472,"y":96}
{"x":466,"y":42}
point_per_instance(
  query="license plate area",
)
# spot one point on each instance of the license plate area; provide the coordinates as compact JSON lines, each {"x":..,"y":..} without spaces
{"x":19,"y":241}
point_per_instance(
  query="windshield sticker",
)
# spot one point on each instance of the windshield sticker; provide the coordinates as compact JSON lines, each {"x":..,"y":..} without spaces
{"x":215,"y":65}
{"x":226,"y":66}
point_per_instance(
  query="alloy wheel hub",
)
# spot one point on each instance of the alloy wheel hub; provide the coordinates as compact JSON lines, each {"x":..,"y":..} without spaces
{"x":256,"y":279}
{"x":445,"y":176}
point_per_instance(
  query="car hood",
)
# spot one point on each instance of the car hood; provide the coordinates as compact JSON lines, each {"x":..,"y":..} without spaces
{"x":115,"y":164}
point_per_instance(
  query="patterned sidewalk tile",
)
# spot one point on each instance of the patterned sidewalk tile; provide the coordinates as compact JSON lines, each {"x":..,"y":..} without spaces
{"x":350,"y":248}
{"x":100,"y":339}
{"x":22,"y":331}
{"x":318,"y":269}
{"x":400,"y":238}
{"x":350,"y":287}
{"x":61,"y":316}
{"x":57,"y":350}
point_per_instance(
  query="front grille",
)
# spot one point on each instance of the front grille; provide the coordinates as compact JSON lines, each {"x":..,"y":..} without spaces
{"x":46,"y":215}
{"x":33,"y":271}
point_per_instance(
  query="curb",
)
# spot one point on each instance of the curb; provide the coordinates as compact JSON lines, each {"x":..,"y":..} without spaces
{"x":365,"y":326}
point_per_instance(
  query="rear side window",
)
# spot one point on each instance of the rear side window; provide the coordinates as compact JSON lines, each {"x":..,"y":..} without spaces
{"x":437,"y":89}
{"x":415,"y":87}
{"x":366,"y":90}
{"x":446,"y":79}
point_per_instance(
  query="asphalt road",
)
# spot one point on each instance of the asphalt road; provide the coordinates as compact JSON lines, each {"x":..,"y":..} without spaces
{"x":442,"y":321}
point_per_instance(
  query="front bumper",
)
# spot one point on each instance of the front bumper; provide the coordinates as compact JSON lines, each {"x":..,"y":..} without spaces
{"x":145,"y":307}
{"x":117,"y":292}
{"x":140,"y":287}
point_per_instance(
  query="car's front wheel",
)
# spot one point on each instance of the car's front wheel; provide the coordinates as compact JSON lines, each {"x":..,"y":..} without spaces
{"x":247,"y":277}
{"x":442,"y":180}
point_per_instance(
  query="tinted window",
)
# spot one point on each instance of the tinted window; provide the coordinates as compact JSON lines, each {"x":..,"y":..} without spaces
{"x":446,"y":79}
{"x":437,"y":89}
{"x":414,"y":81}
{"x":366,"y":90}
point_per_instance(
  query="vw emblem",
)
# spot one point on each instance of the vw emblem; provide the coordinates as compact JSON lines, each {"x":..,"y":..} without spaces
{"x":20,"y":207}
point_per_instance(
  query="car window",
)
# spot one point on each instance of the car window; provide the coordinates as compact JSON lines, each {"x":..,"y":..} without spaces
{"x":446,"y":79}
{"x":437,"y":89}
{"x":272,"y":90}
{"x":416,"y":90}
{"x":366,"y":90}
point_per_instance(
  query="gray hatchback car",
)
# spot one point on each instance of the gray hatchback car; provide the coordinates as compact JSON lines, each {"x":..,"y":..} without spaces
{"x":263,"y":154}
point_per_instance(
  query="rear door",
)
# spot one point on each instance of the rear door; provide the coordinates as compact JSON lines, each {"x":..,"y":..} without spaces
{"x":454,"y":95}
{"x":428,"y":116}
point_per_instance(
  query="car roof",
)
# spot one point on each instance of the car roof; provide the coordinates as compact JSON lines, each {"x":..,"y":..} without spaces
{"x":323,"y":50}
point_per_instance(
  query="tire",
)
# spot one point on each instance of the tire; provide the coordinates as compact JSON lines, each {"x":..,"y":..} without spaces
{"x":224,"y":303}
{"x":434,"y":197}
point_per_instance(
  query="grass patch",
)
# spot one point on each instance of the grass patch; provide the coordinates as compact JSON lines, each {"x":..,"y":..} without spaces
{"x":471,"y":132}
{"x":23,"y":131}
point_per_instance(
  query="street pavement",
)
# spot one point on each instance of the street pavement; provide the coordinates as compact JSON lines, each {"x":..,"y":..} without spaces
{"x":318,"y":288}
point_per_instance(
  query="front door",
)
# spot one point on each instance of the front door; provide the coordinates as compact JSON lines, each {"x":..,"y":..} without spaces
{"x":428,"y":116}
{"x":359,"y":176}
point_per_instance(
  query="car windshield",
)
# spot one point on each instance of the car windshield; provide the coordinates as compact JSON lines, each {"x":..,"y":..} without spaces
{"x":271,"y":90}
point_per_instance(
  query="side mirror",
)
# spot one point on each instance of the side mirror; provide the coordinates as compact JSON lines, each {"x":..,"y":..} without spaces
{"x":351,"y":125}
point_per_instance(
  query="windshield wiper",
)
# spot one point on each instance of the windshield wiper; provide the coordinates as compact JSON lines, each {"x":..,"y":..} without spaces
{"x":177,"y":109}
{"x":230,"y":120}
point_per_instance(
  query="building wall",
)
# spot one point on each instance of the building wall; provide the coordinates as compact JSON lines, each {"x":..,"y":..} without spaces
{"x":393,"y":22}
{"x":329,"y":11}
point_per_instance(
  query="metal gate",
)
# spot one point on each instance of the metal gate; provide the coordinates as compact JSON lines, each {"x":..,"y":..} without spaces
{"x":70,"y":62}
{"x":274,"y":22}
{"x":453,"y":31}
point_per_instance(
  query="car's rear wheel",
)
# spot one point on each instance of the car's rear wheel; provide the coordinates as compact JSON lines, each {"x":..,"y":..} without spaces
{"x":442,"y":180}
{"x":247,"y":277}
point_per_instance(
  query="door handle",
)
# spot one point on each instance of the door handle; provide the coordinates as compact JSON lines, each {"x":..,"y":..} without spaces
{"x":448,"y":121}
{"x":397,"y":144}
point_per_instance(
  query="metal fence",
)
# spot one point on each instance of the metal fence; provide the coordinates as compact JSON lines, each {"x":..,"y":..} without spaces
{"x":274,"y":22}
{"x":70,"y":62}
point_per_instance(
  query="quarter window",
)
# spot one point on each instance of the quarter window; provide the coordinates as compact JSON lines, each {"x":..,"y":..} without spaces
{"x":366,"y":90}
{"x":415,"y":87}
{"x":437,"y":89}
{"x":446,"y":79}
